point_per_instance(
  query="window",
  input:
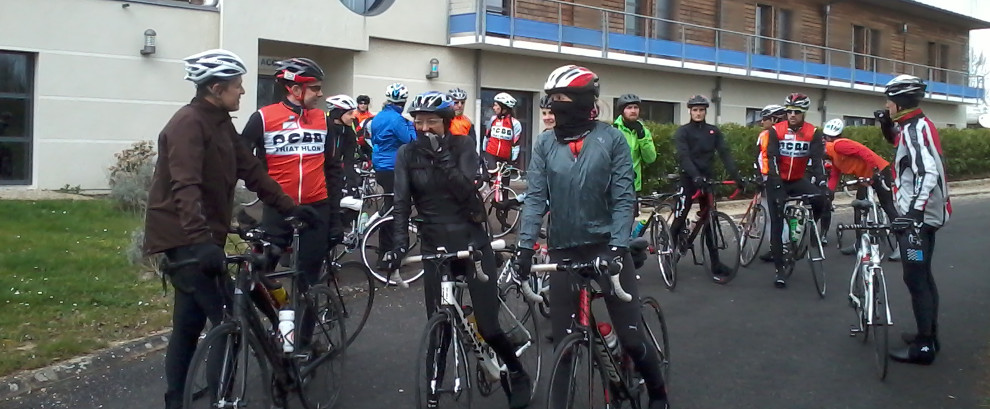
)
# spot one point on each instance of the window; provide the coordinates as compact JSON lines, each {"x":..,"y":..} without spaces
{"x":866,"y":41}
{"x":937,"y":58}
{"x":268,"y":91}
{"x":859,"y":121}
{"x":523,"y":112}
{"x":772,"y":24}
{"x":753,"y":116}
{"x":497,"y":7}
{"x":368,"y":7}
{"x":639,"y":25}
{"x":16,"y":112}
{"x":652,"y":111}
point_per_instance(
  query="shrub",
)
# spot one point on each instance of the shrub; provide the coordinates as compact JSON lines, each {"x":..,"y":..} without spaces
{"x":964,"y":151}
{"x":130,"y":177}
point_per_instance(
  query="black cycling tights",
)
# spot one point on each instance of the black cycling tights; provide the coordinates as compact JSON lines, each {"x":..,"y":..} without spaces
{"x":484,"y":295}
{"x":687,"y":191}
{"x":916,"y":258}
{"x":626,"y":316}
{"x":777,"y":198}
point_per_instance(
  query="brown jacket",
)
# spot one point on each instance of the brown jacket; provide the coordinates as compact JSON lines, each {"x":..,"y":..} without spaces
{"x":200,"y":159}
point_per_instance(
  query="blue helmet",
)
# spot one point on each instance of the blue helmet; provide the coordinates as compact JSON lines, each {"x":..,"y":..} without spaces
{"x":433,"y":102}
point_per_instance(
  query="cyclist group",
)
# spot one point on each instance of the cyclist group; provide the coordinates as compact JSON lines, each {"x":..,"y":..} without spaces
{"x":583,"y":172}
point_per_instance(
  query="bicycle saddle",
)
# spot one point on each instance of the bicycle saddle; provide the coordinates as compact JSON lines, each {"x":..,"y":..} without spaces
{"x":861,"y":204}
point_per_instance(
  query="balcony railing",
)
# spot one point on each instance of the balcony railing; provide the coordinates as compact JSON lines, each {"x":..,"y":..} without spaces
{"x":213,"y":5}
{"x":556,"y":26}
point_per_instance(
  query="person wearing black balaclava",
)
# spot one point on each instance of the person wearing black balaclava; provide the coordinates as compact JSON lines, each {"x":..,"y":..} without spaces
{"x":436,"y":173}
{"x":585,"y":166}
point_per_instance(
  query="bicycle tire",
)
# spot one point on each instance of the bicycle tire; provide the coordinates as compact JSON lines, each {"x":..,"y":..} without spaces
{"x":433,"y":339}
{"x":221,"y":347}
{"x":495,"y":225}
{"x":881,"y":341}
{"x":649,"y":307}
{"x":751,"y":234}
{"x":816,"y":258}
{"x":565,"y":376}
{"x":725,"y":244}
{"x":351,"y":282}
{"x":320,"y":376}
{"x":369,"y":251}
{"x":532,"y":357}
{"x":662,"y":244}
{"x":861,"y":316}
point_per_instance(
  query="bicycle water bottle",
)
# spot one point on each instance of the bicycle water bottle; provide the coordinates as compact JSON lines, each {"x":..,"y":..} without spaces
{"x":279,"y":296}
{"x":611,"y":341}
{"x":639,"y":228}
{"x":793,"y":223}
{"x":286,"y":328}
{"x":362,"y":221}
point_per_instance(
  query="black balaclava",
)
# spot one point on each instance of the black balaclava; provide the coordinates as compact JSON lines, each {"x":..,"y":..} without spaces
{"x":574,"y":119}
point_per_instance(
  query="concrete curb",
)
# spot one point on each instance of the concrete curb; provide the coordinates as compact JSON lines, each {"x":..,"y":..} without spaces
{"x":27,"y":381}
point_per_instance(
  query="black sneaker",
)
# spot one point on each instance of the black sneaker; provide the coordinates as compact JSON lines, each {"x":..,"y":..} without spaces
{"x":659,"y":404}
{"x":520,"y":390}
{"x":918,"y":352}
{"x":779,"y":281}
{"x":909,"y":338}
{"x":723,"y":274}
{"x":848,"y":251}
{"x":766,"y":257}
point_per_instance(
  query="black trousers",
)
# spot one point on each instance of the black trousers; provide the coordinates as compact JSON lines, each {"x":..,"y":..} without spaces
{"x":197,"y":297}
{"x":626,"y":316}
{"x":484,"y":295}
{"x":777,"y":198}
{"x":917,"y":249}
{"x":386,"y":179}
{"x":687,"y":190}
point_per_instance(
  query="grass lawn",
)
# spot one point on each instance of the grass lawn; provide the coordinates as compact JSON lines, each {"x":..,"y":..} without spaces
{"x":66,"y":287}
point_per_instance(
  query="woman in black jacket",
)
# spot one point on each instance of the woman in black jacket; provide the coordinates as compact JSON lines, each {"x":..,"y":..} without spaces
{"x":436,"y":172}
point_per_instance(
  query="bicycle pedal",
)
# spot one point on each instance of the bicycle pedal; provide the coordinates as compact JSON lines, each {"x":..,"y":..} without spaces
{"x":303,"y":356}
{"x":853,"y":331}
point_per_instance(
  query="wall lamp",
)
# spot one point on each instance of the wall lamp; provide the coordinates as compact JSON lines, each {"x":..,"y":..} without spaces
{"x":149,"y":42}
{"x":434,"y":69}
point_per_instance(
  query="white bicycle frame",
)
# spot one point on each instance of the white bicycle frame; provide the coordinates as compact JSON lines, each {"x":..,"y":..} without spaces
{"x":868,"y":267}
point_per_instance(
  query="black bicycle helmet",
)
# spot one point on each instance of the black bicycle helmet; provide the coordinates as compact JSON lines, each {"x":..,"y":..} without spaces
{"x":698,"y":100}
{"x":363,"y":99}
{"x":627,"y":99}
{"x":545,"y":102}
{"x":299,"y":70}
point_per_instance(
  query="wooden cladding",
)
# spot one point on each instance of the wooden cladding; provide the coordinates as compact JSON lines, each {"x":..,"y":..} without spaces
{"x":849,"y":26}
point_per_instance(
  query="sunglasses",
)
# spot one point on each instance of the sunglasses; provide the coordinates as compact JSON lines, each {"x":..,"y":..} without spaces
{"x":430,"y":122}
{"x":794,"y":111}
{"x":315,"y":88}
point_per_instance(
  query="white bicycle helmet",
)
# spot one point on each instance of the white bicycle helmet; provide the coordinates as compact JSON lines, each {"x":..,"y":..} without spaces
{"x":458,"y":94}
{"x":834,"y":127}
{"x":397,"y":92}
{"x":907,"y":85}
{"x":341,"y":101}
{"x":505,"y":99}
{"x":572,"y":78}
{"x":211,"y":64}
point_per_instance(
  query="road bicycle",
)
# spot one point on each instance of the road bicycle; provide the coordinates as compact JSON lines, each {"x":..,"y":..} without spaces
{"x":753,"y":225}
{"x":502,"y":204}
{"x":445,"y":375}
{"x":804,"y":239}
{"x":655,"y":224}
{"x":587,"y":372}
{"x":725,"y":233}
{"x":244,"y":362}
{"x":874,"y":213}
{"x":868,"y":287}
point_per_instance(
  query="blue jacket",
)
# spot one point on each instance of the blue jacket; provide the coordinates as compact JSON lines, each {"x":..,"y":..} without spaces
{"x":389,"y":131}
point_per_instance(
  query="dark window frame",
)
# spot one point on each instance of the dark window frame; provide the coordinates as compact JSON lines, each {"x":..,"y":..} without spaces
{"x":27,"y":138}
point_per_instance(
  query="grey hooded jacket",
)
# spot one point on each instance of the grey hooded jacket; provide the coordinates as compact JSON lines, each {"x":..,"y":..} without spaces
{"x":591,"y":196}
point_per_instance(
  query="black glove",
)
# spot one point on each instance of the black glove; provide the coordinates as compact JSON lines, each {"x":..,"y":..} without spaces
{"x":774,"y":182}
{"x":523,"y":263}
{"x":883,"y":117}
{"x":306,"y":214}
{"x":212,"y":259}
{"x":392,"y":259}
{"x":740,"y":183}
{"x":612,"y":256}
{"x":637,"y":128}
{"x":700,"y":181}
{"x":638,"y":249}
{"x":917,"y":216}
{"x":445,"y":160}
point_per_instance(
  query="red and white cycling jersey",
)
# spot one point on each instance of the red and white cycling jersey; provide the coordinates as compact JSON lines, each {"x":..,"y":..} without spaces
{"x":294,"y":149}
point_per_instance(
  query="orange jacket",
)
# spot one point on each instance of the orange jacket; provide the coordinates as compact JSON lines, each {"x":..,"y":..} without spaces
{"x":359,"y":119}
{"x":852,"y":158}
{"x":761,"y":160}
{"x":294,"y":149}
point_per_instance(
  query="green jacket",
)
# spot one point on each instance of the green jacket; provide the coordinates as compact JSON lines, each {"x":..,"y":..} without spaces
{"x":643,"y":150}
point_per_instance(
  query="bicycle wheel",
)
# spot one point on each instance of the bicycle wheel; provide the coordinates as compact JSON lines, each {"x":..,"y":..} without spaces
{"x":503,"y":216}
{"x":370,"y":252}
{"x":656,"y":333}
{"x":575,"y":380}
{"x":222,"y":371}
{"x":751,"y":234}
{"x":443,"y":373}
{"x":880,"y":325}
{"x":662,"y":244}
{"x":727,"y":245}
{"x":517,"y":319}
{"x":354,"y":286}
{"x":816,"y":256}
{"x":858,"y":291}
{"x":321,"y":375}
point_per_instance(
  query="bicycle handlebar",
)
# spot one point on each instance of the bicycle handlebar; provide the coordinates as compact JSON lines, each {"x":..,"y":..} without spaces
{"x":470,"y":252}
{"x":613,"y":270}
{"x":698,"y":193}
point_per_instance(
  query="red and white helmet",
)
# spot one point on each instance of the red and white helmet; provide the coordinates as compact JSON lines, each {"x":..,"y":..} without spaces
{"x":797,"y":101}
{"x":341,"y":101}
{"x":505,"y":99}
{"x":572,"y":78}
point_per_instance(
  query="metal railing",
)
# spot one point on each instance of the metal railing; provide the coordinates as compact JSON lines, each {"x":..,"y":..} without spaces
{"x":213,"y":5}
{"x":601,"y":30}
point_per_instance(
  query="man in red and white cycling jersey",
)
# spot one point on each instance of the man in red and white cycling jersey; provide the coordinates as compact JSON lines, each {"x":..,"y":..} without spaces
{"x":790,"y":145}
{"x":290,"y":138}
{"x":504,"y":132}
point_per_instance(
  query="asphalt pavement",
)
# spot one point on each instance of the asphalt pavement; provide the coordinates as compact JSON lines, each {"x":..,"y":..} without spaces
{"x":744,"y":345}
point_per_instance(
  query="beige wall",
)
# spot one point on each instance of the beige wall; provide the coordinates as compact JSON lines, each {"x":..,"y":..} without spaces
{"x":94,"y":93}
{"x":863,"y":105}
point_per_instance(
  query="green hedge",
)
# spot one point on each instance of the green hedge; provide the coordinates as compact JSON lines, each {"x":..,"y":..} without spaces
{"x":966,"y":152}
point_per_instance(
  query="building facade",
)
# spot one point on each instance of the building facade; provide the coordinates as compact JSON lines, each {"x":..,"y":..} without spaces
{"x":71,"y":98}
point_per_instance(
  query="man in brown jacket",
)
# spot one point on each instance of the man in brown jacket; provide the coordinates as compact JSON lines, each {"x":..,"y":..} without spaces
{"x":190,"y":203}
